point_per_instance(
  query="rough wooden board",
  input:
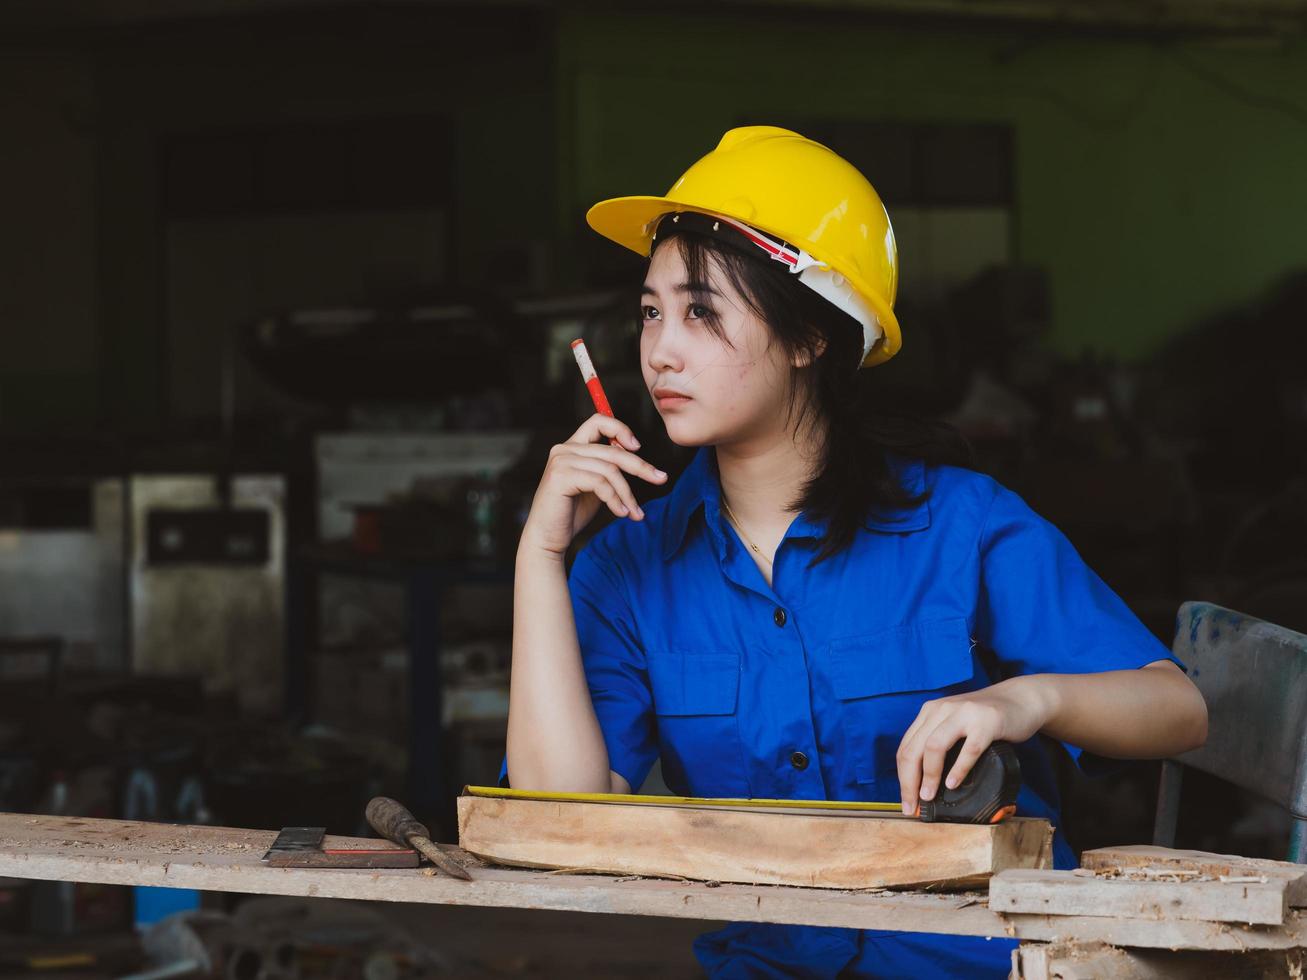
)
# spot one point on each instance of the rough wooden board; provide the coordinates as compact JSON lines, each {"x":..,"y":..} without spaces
{"x":1069,"y":961}
{"x":1066,"y":893}
{"x":1159,"y":934}
{"x":1099,"y":961}
{"x":226,"y":859}
{"x":833,"y":850}
{"x":1203,"y":862}
{"x":123,"y":852}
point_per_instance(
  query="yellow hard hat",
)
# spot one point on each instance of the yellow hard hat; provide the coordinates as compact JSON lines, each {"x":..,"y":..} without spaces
{"x":835,"y":234}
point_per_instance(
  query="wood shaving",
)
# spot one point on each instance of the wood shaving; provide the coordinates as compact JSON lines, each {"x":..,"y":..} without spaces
{"x":1171,"y":875}
{"x":871,"y":890}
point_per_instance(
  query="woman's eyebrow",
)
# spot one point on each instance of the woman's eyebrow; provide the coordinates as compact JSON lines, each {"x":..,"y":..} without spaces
{"x":694,"y":288}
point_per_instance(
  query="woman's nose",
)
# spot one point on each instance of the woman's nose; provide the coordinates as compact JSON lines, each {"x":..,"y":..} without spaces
{"x":664,"y":354}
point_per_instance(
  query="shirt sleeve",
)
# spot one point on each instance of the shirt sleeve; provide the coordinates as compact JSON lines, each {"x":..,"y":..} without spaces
{"x":1043,"y":610}
{"x":614,"y":664}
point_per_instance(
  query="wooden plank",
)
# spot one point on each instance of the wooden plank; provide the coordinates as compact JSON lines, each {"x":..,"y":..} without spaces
{"x":126,"y":852}
{"x":825,"y":850}
{"x":1099,"y":961}
{"x":121,"y":852}
{"x":1069,"y":961}
{"x":1260,"y":902}
{"x":1159,"y":934}
{"x":1144,"y":856}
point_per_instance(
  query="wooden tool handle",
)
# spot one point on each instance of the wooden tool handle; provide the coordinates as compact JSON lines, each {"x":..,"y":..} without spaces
{"x":392,"y":820}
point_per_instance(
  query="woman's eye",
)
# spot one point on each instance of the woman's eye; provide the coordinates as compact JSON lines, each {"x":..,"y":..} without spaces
{"x":648,"y":313}
{"x":699,"y":312}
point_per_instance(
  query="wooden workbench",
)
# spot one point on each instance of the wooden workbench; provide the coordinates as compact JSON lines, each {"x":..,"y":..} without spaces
{"x":222,"y":859}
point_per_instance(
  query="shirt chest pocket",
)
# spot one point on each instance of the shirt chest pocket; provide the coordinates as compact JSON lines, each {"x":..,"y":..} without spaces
{"x":695,"y":699}
{"x":881,"y":679}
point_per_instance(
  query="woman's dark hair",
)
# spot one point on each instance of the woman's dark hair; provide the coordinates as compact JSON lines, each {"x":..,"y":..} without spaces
{"x":855,"y":479}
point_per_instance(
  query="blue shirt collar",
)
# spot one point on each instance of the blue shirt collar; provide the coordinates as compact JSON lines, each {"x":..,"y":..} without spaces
{"x":700,"y":486}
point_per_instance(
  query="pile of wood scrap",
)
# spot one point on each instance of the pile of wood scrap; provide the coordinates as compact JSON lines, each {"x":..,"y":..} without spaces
{"x":1142,"y":889}
{"x":1073,"y":960}
{"x":1145,"y":882}
{"x":805,"y":843}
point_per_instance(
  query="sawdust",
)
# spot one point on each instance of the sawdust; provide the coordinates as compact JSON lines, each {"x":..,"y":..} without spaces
{"x":1171,"y":875}
{"x":26,"y":846}
{"x":873,"y":890}
{"x":138,"y":842}
{"x":601,"y":871}
{"x":1293,"y":961}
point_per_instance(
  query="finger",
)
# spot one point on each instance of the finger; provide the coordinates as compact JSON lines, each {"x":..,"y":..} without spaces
{"x":588,"y":481}
{"x":610,"y":472}
{"x":627,"y":461}
{"x":598,"y":426}
{"x":924,"y":716}
{"x":909,"y":766}
{"x":972,"y":749}
{"x":937,"y":745}
{"x":581,"y":474}
{"x":908,"y":757}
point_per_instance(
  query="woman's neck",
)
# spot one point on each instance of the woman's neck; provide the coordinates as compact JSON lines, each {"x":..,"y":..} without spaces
{"x":761,"y":482}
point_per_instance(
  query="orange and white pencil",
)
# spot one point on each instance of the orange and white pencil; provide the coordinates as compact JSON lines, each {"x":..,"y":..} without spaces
{"x":590,"y":377}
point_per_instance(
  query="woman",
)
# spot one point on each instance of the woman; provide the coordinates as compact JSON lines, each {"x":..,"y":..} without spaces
{"x":818,"y":608}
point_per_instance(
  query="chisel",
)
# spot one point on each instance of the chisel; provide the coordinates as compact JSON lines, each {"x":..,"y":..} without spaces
{"x":391,"y":820}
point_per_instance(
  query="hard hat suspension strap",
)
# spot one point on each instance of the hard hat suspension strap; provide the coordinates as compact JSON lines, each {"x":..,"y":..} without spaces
{"x":816,"y":275}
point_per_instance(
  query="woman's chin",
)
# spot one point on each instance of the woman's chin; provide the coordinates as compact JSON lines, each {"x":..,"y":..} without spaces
{"x":686,"y":436}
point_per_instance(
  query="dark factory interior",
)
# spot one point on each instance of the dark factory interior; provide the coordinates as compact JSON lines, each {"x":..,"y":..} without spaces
{"x":288,"y":293}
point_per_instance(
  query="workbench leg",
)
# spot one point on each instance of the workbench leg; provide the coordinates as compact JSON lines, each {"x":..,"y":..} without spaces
{"x":428,"y":785}
{"x":1099,"y":961}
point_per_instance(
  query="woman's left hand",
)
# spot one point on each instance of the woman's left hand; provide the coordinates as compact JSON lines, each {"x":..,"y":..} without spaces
{"x":1012,"y":710}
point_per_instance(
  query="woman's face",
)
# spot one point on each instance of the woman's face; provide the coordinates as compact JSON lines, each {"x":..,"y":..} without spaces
{"x":735,"y":384}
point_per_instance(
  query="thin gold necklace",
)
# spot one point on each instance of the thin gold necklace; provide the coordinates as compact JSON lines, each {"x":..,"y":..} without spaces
{"x":740,"y":527}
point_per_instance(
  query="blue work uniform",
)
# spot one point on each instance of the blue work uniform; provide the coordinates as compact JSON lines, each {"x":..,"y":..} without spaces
{"x":803,"y":689}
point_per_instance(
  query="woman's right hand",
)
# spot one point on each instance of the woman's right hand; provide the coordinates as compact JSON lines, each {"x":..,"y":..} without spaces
{"x":582,"y":475}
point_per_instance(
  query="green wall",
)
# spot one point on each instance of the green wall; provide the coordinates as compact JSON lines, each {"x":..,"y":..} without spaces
{"x":1152,"y":193}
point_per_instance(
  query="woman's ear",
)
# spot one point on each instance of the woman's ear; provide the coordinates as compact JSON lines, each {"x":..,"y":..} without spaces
{"x":806,"y":356}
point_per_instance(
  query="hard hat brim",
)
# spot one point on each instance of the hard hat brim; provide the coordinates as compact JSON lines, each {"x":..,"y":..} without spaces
{"x":628,"y":221}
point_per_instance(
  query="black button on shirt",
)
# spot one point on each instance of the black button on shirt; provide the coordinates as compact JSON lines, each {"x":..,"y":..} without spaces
{"x":799,"y":761}
{"x":779,"y":616}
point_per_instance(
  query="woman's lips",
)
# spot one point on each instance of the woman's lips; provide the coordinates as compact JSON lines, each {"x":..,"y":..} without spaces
{"x":670,"y":399}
